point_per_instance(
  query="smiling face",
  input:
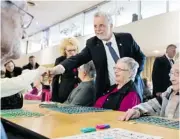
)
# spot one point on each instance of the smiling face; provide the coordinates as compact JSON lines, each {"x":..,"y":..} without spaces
{"x":122,"y":73}
{"x":174,"y":76}
{"x":102,"y":28}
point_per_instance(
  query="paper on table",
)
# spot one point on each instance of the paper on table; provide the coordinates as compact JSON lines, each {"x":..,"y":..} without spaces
{"x":115,"y":133}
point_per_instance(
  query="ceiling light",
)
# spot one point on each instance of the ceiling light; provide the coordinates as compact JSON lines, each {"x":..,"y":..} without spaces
{"x":31,"y":3}
{"x":156,"y":51}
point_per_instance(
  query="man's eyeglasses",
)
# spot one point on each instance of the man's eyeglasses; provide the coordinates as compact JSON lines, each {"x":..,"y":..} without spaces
{"x":119,"y":69}
{"x":27,"y":17}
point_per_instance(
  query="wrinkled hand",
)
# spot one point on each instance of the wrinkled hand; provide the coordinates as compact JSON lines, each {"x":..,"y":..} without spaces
{"x":130,"y":114}
{"x":59,"y":69}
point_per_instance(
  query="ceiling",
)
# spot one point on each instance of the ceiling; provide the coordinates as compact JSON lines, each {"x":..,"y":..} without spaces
{"x":47,"y":13}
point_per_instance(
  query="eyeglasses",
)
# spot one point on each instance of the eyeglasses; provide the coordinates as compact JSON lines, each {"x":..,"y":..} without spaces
{"x":176,"y":73}
{"x":120,"y":69}
{"x":27,"y":17}
{"x":71,"y":50}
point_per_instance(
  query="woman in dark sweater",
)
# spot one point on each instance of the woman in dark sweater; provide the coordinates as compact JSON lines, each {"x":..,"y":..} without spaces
{"x":12,"y":70}
{"x":63,"y":84}
{"x":14,"y":101}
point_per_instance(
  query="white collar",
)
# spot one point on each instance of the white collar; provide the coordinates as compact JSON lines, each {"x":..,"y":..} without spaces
{"x":112,"y":39}
{"x":168,"y":57}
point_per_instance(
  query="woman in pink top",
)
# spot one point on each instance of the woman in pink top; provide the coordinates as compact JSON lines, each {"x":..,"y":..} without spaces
{"x":123,"y":95}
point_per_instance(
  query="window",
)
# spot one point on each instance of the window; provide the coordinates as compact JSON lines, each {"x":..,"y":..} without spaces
{"x":125,"y":11}
{"x":174,"y":5}
{"x":34,"y":43}
{"x":72,"y":26}
{"x":54,"y":36}
{"x":152,"y":8}
{"x":34,"y":47}
{"x":23,"y":46}
{"x":88,"y":22}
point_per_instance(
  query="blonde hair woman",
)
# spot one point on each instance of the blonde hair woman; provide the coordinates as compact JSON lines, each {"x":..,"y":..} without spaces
{"x":69,"y":47}
{"x":63,"y":84}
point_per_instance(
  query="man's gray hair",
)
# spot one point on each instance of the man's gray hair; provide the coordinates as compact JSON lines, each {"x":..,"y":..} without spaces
{"x":132,"y":66}
{"x":89,"y":68}
{"x":107,"y":16}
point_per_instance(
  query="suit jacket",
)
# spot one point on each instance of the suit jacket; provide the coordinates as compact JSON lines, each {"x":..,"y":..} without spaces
{"x":30,"y":67}
{"x":61,"y":91}
{"x":17,"y":71}
{"x":160,"y":74}
{"x":95,"y":51}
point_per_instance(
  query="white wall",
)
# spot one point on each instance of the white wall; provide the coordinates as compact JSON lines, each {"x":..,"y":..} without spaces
{"x":155,"y":33}
{"x":151,"y":34}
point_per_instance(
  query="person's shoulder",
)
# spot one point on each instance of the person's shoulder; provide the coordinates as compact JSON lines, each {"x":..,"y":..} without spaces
{"x":92,"y":41}
{"x":26,"y":66}
{"x":168,"y":92}
{"x":37,"y":65}
{"x":123,"y":35}
{"x":61,"y":58}
{"x":160,"y":58}
{"x":18,"y":68}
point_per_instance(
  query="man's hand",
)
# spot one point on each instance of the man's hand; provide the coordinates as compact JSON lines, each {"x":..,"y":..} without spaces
{"x":59,"y":69}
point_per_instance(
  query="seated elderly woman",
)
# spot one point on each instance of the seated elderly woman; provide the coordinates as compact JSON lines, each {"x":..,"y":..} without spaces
{"x":166,"y":105}
{"x":123,"y":95}
{"x":84,"y":94}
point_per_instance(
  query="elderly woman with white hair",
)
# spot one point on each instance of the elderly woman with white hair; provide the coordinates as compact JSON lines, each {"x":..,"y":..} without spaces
{"x":123,"y":95}
{"x":166,"y":105}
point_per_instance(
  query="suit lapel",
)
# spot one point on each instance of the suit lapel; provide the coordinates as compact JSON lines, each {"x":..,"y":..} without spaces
{"x":119,"y":45}
{"x":167,"y":60}
{"x":101,"y":50}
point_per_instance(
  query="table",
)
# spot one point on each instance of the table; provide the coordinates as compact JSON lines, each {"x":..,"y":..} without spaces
{"x":55,"y":124}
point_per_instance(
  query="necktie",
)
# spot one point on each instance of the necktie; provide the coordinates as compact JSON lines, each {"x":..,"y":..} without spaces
{"x":171,"y":61}
{"x":112,"y":52}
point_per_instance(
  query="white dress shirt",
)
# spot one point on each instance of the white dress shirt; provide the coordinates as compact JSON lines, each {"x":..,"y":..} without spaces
{"x":169,"y":59}
{"x":11,"y":86}
{"x":110,"y":61}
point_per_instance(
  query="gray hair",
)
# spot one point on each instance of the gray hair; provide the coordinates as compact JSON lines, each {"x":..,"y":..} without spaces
{"x":132,"y":66}
{"x":11,"y":22}
{"x":104,"y":14}
{"x":89,"y":68}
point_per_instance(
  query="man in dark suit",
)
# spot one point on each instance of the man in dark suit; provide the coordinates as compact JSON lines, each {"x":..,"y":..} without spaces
{"x":105,"y":49}
{"x":161,"y":69}
{"x":32,"y":63}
